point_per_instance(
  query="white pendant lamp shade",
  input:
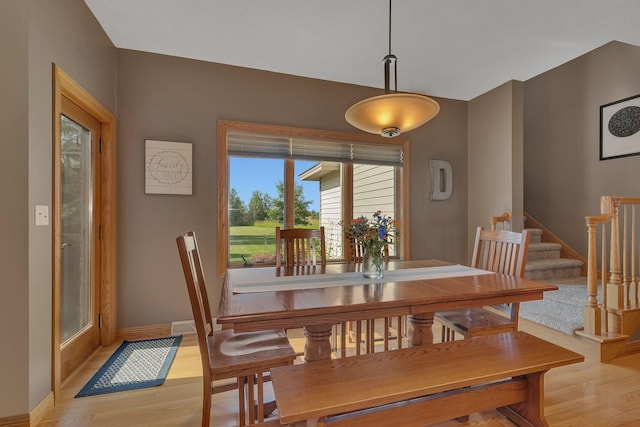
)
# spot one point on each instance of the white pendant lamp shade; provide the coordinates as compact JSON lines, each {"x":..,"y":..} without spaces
{"x":393,"y":113}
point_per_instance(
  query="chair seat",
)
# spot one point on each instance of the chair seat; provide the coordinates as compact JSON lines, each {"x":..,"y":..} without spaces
{"x":246,"y":353}
{"x":475,"y":321}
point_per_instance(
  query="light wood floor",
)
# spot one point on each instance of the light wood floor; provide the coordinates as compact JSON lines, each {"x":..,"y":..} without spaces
{"x":586,"y":394}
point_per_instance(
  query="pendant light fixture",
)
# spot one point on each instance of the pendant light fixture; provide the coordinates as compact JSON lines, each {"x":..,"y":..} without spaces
{"x":394,"y":112}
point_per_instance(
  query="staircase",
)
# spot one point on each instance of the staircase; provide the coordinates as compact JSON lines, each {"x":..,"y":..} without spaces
{"x":612,"y":324}
{"x":544,"y":261}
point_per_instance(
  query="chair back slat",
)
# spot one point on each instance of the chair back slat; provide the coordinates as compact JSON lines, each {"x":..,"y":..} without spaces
{"x":300,"y":247}
{"x":501,"y":251}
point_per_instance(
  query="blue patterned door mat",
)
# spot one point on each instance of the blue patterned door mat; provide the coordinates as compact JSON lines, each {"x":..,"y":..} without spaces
{"x":134,"y":365}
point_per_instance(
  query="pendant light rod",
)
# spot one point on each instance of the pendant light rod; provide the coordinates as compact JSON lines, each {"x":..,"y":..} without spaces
{"x":389,"y":27}
{"x":389,"y":61}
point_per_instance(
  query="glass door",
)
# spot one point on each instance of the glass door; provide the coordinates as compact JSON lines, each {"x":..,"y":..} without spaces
{"x":79,"y":228}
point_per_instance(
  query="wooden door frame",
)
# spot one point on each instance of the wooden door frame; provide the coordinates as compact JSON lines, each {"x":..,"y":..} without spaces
{"x":64,"y":85}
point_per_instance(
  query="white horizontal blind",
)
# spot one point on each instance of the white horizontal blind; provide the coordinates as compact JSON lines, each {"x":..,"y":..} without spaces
{"x":246,"y":144}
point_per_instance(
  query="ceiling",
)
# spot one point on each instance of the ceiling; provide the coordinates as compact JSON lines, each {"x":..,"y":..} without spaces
{"x":455,"y":49}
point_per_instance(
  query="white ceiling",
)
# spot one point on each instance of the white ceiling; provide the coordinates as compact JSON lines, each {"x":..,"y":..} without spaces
{"x":447,"y":48}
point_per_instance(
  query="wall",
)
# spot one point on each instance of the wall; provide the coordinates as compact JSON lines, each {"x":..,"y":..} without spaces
{"x":33,"y":35}
{"x":563,"y":175}
{"x":14,"y":210}
{"x":439,"y":228}
{"x":168,"y":98}
{"x":28,"y":50}
{"x":495,"y":156}
{"x":66,"y":33}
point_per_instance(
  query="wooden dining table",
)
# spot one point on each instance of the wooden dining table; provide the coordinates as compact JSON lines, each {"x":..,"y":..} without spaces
{"x":316,"y":298}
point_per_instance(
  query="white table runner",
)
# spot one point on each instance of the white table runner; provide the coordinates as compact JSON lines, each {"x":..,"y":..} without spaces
{"x":312,"y":281}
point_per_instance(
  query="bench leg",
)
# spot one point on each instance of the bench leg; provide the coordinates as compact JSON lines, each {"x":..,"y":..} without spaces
{"x":531,"y":411}
{"x":420,"y":329}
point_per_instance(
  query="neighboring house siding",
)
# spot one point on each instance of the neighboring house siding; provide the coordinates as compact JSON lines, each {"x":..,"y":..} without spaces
{"x":373,"y":190}
{"x":330,"y":212}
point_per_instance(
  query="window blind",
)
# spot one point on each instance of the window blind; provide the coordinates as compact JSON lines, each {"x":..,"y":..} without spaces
{"x":245,"y":144}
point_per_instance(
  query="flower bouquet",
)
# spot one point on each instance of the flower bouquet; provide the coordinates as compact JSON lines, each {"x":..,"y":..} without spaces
{"x":373,"y":235}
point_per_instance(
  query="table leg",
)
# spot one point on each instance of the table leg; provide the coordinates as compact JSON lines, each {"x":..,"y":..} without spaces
{"x":318,"y":343}
{"x":420,"y":329}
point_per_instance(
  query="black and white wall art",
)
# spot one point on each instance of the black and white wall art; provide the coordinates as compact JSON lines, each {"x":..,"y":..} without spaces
{"x":620,"y":128}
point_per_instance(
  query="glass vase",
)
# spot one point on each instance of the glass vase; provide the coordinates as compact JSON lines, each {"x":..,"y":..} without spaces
{"x":372,"y":266}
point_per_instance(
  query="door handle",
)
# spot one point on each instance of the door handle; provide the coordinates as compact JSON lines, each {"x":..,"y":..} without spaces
{"x":64,"y":245}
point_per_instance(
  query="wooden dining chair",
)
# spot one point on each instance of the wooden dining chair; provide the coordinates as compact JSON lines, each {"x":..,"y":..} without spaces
{"x":247,"y":357}
{"x":499,"y":251}
{"x":303,"y":249}
{"x":363,"y":332}
{"x":300,"y":247}
{"x":354,"y":251}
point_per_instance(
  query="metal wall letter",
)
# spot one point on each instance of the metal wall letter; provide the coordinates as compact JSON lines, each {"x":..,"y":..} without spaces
{"x":441,"y":179}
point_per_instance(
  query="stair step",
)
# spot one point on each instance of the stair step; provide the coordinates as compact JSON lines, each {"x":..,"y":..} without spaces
{"x":552,"y":268}
{"x":543,"y":251}
{"x":535,"y":235}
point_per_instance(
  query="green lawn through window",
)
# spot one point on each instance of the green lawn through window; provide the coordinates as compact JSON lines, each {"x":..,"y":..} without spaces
{"x":256,"y":242}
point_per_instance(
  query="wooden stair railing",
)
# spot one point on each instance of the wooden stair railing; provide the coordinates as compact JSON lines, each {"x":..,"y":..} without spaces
{"x":619,"y":311}
{"x":622,"y":286}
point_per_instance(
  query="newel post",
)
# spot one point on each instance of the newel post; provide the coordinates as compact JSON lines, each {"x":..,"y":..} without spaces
{"x":592,"y":312}
{"x":615,"y":287}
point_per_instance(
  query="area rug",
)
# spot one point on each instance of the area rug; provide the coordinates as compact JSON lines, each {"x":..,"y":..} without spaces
{"x":134,"y":365}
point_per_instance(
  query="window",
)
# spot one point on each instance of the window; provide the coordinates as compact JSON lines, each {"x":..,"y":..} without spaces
{"x":289,"y":177}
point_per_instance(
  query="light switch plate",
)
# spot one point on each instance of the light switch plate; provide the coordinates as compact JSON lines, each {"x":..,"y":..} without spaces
{"x":42,"y":215}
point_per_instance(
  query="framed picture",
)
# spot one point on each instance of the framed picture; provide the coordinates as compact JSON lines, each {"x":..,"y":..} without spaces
{"x":168,"y":167}
{"x":620,"y":128}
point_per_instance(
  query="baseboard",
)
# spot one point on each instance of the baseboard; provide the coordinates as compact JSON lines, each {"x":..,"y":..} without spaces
{"x":44,"y":407}
{"x":33,"y":419}
{"x":15,"y":421}
{"x":632,"y":347}
{"x":143,"y":332}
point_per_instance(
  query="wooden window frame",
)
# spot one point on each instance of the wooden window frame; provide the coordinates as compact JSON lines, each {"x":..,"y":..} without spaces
{"x":226,"y":126}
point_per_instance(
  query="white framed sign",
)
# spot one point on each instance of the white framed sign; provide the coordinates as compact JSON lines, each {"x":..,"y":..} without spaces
{"x":168,"y":167}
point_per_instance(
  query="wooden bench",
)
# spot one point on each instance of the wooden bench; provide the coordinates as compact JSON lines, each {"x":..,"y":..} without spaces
{"x":423,"y":384}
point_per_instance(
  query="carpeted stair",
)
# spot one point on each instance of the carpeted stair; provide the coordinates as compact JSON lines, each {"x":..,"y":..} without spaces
{"x":562,"y":310}
{"x":544,"y":262}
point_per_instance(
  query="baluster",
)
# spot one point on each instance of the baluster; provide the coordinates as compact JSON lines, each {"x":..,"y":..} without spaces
{"x":604,"y":276}
{"x":625,"y":257}
{"x":634,"y":279}
{"x":615,"y":289}
{"x":592,"y":313}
